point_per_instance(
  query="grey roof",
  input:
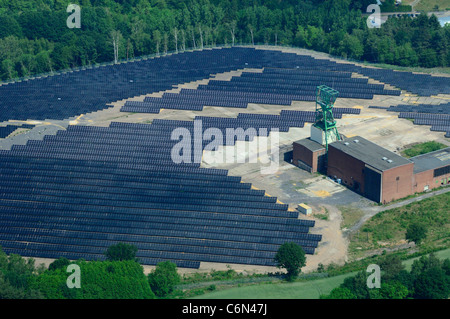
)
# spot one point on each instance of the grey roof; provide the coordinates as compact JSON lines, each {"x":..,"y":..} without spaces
{"x":431,"y":160}
{"x":370,"y":153}
{"x":310,"y":144}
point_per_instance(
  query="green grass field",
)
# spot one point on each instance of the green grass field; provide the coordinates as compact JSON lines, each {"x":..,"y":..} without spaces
{"x":422,"y":148}
{"x":350,"y":215}
{"x":298,"y":290}
{"x":388,"y":228}
{"x":432,"y":5}
{"x":443,"y":254}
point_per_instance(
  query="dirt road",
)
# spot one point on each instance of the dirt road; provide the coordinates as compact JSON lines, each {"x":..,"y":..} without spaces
{"x":372,"y":211}
{"x":333,"y":247}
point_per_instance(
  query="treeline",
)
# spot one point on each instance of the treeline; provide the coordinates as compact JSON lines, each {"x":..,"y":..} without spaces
{"x":429,"y":278}
{"x":34,"y":37}
{"x":120,"y":276}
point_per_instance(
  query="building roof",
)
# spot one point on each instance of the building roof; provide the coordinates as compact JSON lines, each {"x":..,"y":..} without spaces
{"x":431,"y":160}
{"x":370,"y":153}
{"x":310,"y":144}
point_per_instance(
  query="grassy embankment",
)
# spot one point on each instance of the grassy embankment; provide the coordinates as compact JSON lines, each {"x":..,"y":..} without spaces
{"x":387,"y":229}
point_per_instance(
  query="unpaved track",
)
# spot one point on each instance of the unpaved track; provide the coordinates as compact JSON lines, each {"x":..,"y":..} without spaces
{"x":333,"y":247}
{"x":372,"y":211}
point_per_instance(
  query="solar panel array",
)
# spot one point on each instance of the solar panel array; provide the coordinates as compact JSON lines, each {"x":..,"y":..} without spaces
{"x":422,"y":108}
{"x":90,"y":89}
{"x":75,"y":193}
{"x":300,"y":84}
{"x":5,"y":131}
{"x":435,"y":115}
{"x":273,"y":86}
{"x":421,"y":84}
{"x":281,"y":123}
{"x":72,"y":93}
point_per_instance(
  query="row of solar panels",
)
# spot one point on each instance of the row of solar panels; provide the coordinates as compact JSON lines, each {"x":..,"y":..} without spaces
{"x":430,"y":116}
{"x":113,"y":167}
{"x":435,"y":115}
{"x":12,"y":228}
{"x":99,"y":246}
{"x":42,"y":251}
{"x":158,"y":217}
{"x":287,"y":220}
{"x":5,"y":131}
{"x":186,"y":192}
{"x":152,"y":197}
{"x":152,"y":227}
{"x":422,"y":108}
{"x":70,"y":251}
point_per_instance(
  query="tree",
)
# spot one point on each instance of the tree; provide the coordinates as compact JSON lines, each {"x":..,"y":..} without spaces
{"x":163,"y":278}
{"x":175,"y":38}
{"x":406,"y":279}
{"x":116,"y":37}
{"x":157,"y":39}
{"x":353,"y":48}
{"x":121,"y":251}
{"x":357,"y":285}
{"x":165,"y":43}
{"x":291,"y":257}
{"x":389,"y":290}
{"x":99,"y":280}
{"x":416,"y":232}
{"x":391,"y":267}
{"x":200,"y":32}
{"x":432,"y":284}
{"x":60,"y":263}
{"x":183,"y":41}
{"x":339,"y":293}
{"x":424,"y":263}
{"x":232,"y":26}
{"x":251,"y":34}
{"x":16,"y":277}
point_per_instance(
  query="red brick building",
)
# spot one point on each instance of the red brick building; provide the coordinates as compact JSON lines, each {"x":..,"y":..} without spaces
{"x":431,"y":170}
{"x":374,"y":171}
{"x":370,"y":170}
{"x":307,"y":154}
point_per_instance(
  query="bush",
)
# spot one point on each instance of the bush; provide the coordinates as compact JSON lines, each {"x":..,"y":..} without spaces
{"x":60,"y":263}
{"x":121,"y":251}
{"x":211,"y":288}
{"x":416,"y":232}
{"x":164,"y":278}
{"x":99,"y":280}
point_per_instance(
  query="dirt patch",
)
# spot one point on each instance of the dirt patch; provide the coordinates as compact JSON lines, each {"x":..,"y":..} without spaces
{"x":333,"y":247}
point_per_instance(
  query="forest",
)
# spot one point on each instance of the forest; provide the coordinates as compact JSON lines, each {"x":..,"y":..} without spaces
{"x":35,"y":38}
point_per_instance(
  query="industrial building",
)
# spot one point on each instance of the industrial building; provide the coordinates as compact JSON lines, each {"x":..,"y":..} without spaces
{"x":364,"y":166}
{"x":431,"y":170}
{"x":372,"y":170}
{"x":309,"y":155}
